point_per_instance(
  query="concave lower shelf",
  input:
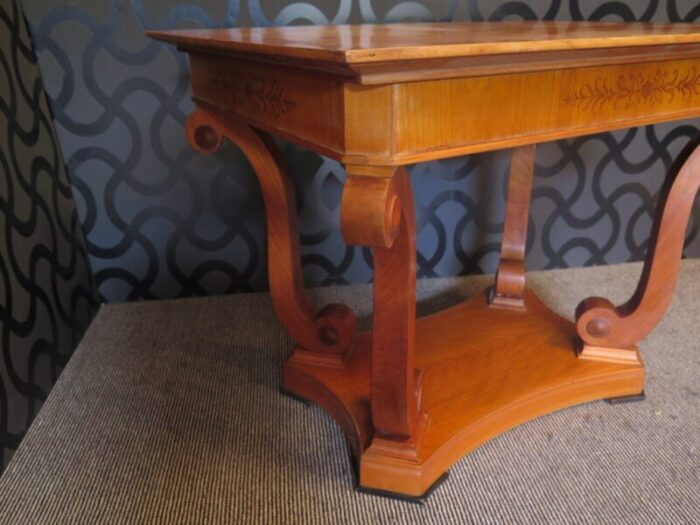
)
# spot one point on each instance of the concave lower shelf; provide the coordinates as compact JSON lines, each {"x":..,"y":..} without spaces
{"x":484,"y":369}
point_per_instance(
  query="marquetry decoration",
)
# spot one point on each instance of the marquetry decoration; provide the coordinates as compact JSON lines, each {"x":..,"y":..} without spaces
{"x":634,"y":89}
{"x":415,"y":395}
{"x":514,"y":109}
{"x":264,"y":95}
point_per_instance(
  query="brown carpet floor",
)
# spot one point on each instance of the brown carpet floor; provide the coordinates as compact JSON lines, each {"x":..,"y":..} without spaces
{"x":169,"y":412}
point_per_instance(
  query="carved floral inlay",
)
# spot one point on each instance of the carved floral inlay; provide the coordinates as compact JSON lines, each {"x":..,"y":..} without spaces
{"x":635,"y":89}
{"x":261,"y":94}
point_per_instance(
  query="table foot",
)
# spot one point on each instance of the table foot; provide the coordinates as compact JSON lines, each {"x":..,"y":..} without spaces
{"x":635,"y":398}
{"x":484,"y":370}
{"x":295,"y":397}
{"x":419,"y":500}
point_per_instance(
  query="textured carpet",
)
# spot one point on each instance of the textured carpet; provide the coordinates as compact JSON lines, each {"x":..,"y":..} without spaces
{"x":169,"y":412}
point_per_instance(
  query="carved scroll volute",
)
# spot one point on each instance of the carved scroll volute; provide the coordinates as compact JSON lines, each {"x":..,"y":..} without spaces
{"x":509,"y":288}
{"x":601,"y":324}
{"x":371,"y":210}
{"x":333,"y":328}
{"x":377,"y":211}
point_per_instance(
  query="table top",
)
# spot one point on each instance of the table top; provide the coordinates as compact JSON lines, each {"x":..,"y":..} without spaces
{"x":391,"y":95}
{"x":369,"y":43}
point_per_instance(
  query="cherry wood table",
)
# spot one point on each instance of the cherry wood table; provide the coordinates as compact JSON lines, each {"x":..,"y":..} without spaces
{"x":415,"y":395}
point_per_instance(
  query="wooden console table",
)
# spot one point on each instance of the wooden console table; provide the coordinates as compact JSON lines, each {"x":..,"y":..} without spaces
{"x":415,"y":395}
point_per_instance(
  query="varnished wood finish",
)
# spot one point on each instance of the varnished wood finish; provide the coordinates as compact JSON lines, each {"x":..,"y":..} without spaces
{"x":599,"y":322}
{"x":371,"y":211}
{"x":510,"y":277}
{"x":515,"y":109}
{"x":379,"y":212}
{"x":354,"y":44}
{"x":323,"y":336}
{"x":415,"y":395}
{"x":484,"y":370}
{"x":320,"y":86}
{"x":488,"y":65}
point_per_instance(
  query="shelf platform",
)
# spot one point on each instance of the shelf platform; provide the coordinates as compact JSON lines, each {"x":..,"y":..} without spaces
{"x":483,"y":370}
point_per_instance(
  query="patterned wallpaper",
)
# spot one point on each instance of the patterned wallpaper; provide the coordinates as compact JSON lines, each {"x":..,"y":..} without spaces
{"x":46,"y":293}
{"x":161,"y":221}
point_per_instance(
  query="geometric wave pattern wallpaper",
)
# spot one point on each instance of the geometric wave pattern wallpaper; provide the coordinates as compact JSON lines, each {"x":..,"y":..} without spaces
{"x":162,"y":221}
{"x":46,"y":295}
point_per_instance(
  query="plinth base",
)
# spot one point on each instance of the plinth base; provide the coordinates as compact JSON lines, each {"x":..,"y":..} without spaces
{"x":484,"y":370}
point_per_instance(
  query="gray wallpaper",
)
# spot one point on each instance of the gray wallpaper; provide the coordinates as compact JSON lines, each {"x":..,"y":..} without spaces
{"x":46,"y":293}
{"x":162,"y":221}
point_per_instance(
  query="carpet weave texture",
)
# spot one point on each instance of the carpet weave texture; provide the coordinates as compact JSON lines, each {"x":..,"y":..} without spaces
{"x":169,"y":412}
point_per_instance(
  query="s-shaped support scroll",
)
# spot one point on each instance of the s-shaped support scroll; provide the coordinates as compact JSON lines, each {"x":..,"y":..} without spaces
{"x":324,"y":336}
{"x":509,"y":288}
{"x":378,"y":211}
{"x":609,"y":333}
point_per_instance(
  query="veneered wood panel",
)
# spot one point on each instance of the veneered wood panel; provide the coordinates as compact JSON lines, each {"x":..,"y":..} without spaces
{"x":304,"y":108}
{"x":414,"y":395}
{"x":367,"y":43}
{"x":368,"y":120}
{"x":485,"y":65}
{"x":441,"y":118}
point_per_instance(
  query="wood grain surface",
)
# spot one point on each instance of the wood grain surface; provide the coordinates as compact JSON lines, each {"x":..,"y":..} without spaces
{"x":367,"y":43}
{"x":414,"y":395}
{"x":323,"y":335}
{"x":484,"y":370}
{"x":406,"y":122}
{"x":509,"y":288}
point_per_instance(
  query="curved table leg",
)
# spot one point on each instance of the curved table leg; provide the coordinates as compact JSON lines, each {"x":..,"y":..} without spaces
{"x":510,"y":277}
{"x":609,"y":333}
{"x":414,"y":395}
{"x":378,"y":211}
{"x":324,"y":337}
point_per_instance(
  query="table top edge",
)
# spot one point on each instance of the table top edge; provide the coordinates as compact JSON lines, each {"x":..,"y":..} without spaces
{"x":201,"y":39}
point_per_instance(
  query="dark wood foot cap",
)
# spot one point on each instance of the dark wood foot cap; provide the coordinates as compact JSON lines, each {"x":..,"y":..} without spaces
{"x":416,"y":500}
{"x":626,"y":399}
{"x":295,"y":397}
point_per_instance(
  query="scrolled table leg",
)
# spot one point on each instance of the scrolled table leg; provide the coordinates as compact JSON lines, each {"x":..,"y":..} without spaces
{"x":325,"y":336}
{"x":608,"y":332}
{"x":378,"y":211}
{"x":509,"y":288}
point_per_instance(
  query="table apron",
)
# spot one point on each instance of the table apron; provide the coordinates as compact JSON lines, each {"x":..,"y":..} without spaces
{"x":404,"y":123}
